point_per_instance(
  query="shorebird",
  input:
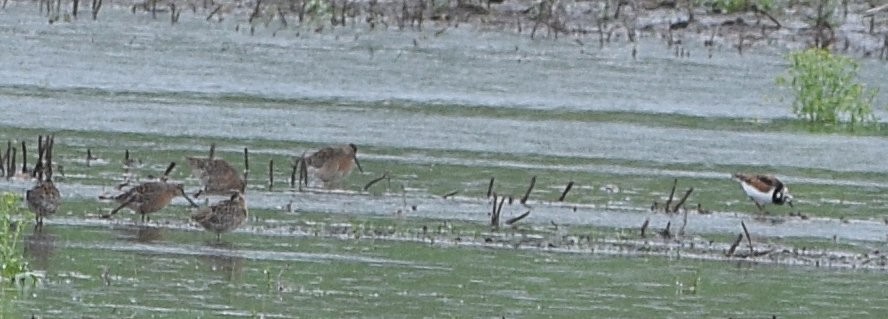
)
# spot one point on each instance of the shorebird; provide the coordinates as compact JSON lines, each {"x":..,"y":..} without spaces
{"x":332,"y":164}
{"x":764,"y":189}
{"x":44,"y":199}
{"x":216,"y":176}
{"x":149,"y":197}
{"x":224,"y":216}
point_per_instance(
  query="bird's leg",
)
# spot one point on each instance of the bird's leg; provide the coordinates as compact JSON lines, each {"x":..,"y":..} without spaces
{"x":118,"y":208}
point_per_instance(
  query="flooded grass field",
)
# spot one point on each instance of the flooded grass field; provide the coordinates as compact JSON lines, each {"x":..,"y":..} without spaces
{"x":440,"y":114}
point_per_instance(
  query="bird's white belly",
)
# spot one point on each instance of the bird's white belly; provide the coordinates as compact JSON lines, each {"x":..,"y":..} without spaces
{"x":759,"y":197}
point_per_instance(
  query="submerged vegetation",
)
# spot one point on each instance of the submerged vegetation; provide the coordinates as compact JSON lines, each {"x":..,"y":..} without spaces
{"x":11,"y":223}
{"x":826,"y":90}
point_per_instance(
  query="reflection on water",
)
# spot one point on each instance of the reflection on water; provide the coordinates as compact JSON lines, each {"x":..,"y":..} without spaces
{"x":230,"y":266}
{"x":40,"y":247}
{"x":141,"y":233}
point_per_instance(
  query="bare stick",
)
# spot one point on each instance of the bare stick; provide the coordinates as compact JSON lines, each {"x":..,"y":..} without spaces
{"x":499,"y":210}
{"x":513,"y":220}
{"x":212,"y":151}
{"x":748,"y":238}
{"x":219,"y":7}
{"x":126,"y":158}
{"x":566,"y":189}
{"x":48,"y":157}
{"x":293,"y":175}
{"x":490,"y":187}
{"x":684,"y":220}
{"x":88,"y":156}
{"x":529,"y":189}
{"x":74,"y":8}
{"x":375,"y":180}
{"x":493,"y":212}
{"x":644,"y":227}
{"x":734,"y":245}
{"x":6,"y":167}
{"x":449,"y":194}
{"x":96,"y":5}
{"x":246,"y":163}
{"x":255,"y":11}
{"x":24,"y":158}
{"x":682,"y":201}
{"x":270,"y":174}
{"x":671,"y":194}
{"x":39,"y":165}
{"x":10,"y":170}
{"x":303,"y":171}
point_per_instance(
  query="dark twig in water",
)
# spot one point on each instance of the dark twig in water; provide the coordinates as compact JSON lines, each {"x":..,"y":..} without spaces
{"x":748,"y":238}
{"x":682,"y":201}
{"x":489,"y":186}
{"x":376,"y":180}
{"x":499,"y":211}
{"x":24,"y":158}
{"x":293,"y":175}
{"x":270,"y":174}
{"x":529,"y":189}
{"x":513,"y":220}
{"x":246,"y":163}
{"x":450,"y":194}
{"x":166,"y":173}
{"x":212,"y":151}
{"x":684,"y":219}
{"x":644,"y":227}
{"x":255,"y":11}
{"x":734,"y":245}
{"x":218,"y":7}
{"x":671,"y":194}
{"x":566,"y":189}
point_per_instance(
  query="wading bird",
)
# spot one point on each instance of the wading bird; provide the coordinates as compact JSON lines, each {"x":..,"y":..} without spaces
{"x":149,"y":197}
{"x":764,"y":189}
{"x":331,"y":164}
{"x":216,"y":176}
{"x":224,"y":216}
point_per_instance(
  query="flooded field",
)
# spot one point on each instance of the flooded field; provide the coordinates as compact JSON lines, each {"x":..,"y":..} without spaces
{"x":440,"y":113}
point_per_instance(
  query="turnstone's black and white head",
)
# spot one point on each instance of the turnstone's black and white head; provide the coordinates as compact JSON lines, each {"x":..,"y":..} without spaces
{"x":764,"y":189}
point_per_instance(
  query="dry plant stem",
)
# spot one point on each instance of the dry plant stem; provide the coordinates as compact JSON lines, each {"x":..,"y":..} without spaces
{"x":10,"y":169}
{"x":671,"y":194}
{"x":566,"y":189}
{"x":529,"y":189}
{"x":166,"y":173}
{"x":682,"y":200}
{"x":246,"y":163}
{"x":684,"y":220}
{"x":513,"y":220}
{"x":212,"y":13}
{"x":270,"y":174}
{"x":255,"y":11}
{"x":293,"y":175}
{"x":734,"y":245}
{"x":24,"y":158}
{"x":449,"y":194}
{"x":644,"y":226}
{"x":748,"y":238}
{"x":489,"y":187}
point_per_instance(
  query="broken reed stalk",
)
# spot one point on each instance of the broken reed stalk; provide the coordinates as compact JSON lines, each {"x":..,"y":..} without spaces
{"x":96,"y":5}
{"x":8,"y":151}
{"x":38,"y":166}
{"x":566,"y":189}
{"x":490,"y":187}
{"x":212,"y":13}
{"x":50,"y":145}
{"x":449,"y":194}
{"x":644,"y":227}
{"x":246,"y":163}
{"x":375,"y":180}
{"x":493,"y":212}
{"x":270,"y":174}
{"x":529,"y":189}
{"x":303,"y":172}
{"x":293,"y":175}
{"x":734,"y":245}
{"x":497,"y":210}
{"x":24,"y":158}
{"x":88,"y":156}
{"x":255,"y":11}
{"x":683,"y":199}
{"x":513,"y":220}
{"x":126,"y":158}
{"x":748,"y":238}
{"x":684,"y":220}
{"x":10,"y":170}
{"x":74,"y":8}
{"x":671,"y":194}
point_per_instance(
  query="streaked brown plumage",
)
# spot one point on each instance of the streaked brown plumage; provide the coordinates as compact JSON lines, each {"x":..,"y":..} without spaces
{"x":216,"y":176}
{"x":333,"y":164}
{"x":224,"y":216}
{"x":44,"y":199}
{"x":149,"y":197}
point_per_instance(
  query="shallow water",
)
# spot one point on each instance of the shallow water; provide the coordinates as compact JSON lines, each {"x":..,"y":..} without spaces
{"x":443,"y":115}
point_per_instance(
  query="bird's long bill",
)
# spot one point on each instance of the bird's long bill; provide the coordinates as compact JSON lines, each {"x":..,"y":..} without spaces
{"x":358,"y":163}
{"x":189,"y":199}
